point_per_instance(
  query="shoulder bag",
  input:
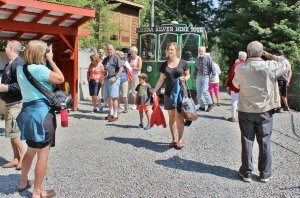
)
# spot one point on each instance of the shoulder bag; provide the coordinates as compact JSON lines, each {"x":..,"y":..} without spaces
{"x":58,"y":99}
{"x":188,"y":108}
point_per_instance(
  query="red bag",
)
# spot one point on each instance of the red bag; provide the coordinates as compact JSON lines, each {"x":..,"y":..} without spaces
{"x":129,"y":76}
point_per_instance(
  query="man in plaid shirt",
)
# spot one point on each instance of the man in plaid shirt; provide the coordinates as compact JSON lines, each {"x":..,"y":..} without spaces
{"x":204,"y":70}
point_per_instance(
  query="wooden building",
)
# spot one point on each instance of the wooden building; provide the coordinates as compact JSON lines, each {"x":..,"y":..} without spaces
{"x":126,"y":17}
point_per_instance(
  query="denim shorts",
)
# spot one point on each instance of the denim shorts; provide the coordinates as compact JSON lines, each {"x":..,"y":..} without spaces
{"x":94,"y":88}
{"x":111,"y":90}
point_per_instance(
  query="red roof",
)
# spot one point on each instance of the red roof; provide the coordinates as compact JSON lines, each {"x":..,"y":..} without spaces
{"x":35,"y":19}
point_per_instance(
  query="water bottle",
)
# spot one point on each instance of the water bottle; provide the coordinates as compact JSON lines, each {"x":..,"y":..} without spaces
{"x":64,"y":116}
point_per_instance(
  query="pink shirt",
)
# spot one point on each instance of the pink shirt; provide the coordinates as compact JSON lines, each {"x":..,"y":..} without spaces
{"x":96,"y":73}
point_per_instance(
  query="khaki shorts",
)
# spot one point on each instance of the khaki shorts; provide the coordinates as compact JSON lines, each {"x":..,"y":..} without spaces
{"x":124,"y":89}
{"x":11,"y":113}
{"x":133,"y":85}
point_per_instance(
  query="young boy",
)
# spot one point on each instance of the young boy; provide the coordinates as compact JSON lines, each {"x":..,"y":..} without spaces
{"x":143,"y":99}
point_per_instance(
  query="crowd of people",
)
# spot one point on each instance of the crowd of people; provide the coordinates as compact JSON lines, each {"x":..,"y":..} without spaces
{"x":253,"y":84}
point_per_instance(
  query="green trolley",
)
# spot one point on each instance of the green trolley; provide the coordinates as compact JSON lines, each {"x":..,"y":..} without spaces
{"x":152,"y":42}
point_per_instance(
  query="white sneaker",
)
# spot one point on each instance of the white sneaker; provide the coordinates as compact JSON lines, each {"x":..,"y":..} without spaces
{"x":133,"y":107}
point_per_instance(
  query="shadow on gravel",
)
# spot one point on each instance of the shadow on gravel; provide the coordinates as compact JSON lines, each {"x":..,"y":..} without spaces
{"x":123,"y":126}
{"x":213,"y":117}
{"x":2,"y":161}
{"x":158,"y":147}
{"x":82,"y":116}
{"x":198,"y":167}
{"x":9,"y":184}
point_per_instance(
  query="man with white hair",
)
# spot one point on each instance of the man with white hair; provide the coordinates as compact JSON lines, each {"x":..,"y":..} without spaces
{"x":204,"y":69}
{"x":259,"y":96}
{"x":10,"y":93}
{"x":234,"y":92}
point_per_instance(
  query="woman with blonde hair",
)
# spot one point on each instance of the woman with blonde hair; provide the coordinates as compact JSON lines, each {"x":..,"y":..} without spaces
{"x":136,"y":63}
{"x":95,"y":77}
{"x":37,"y":122}
{"x":170,"y":70}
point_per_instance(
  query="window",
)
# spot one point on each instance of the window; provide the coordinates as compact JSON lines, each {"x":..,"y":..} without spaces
{"x":164,"y":40}
{"x":190,"y":45}
{"x":148,"y":46}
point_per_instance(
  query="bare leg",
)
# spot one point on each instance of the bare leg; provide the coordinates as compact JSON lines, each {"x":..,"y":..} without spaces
{"x":141,"y":117}
{"x":15,"y":150}
{"x":180,"y":126}
{"x":40,"y":170}
{"x":172,"y":124}
{"x":217,"y":97}
{"x":285,"y":102}
{"x":16,"y":142}
{"x":26,"y":165}
{"x":148,"y":116}
{"x":125,"y":99}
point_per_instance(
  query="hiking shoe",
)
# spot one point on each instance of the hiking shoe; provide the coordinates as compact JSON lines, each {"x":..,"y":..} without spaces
{"x":246,"y":177}
{"x":264,"y":179}
{"x":231,"y":119}
{"x":141,"y":126}
{"x":147,"y":127}
{"x":209,"y":107}
{"x":95,"y":110}
{"x":201,"y":109}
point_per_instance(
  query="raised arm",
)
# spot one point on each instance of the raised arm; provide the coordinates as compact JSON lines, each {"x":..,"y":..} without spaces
{"x":56,"y":76}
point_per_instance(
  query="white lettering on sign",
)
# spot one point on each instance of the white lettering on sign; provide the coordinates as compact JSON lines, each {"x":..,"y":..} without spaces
{"x":170,"y":29}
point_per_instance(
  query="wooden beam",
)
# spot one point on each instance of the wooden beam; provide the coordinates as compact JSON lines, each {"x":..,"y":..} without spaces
{"x":41,"y":28}
{"x":38,"y":36}
{"x":10,"y":38}
{"x":16,"y":13}
{"x":18,"y":35}
{"x":40,"y":16}
{"x":52,"y":7}
{"x":81,"y":21}
{"x":36,"y":14}
{"x":66,"y":41}
{"x":61,"y":19}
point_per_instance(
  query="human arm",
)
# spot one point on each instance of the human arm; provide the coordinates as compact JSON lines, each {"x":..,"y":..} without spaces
{"x":127,"y":66}
{"x":159,"y":83}
{"x":139,"y":65}
{"x":56,"y":76}
{"x":279,"y":63}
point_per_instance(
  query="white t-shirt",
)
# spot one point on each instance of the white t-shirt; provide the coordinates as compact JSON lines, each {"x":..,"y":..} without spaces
{"x":216,"y":78}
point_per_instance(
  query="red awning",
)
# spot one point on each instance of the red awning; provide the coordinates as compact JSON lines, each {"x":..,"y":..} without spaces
{"x":34,"y":19}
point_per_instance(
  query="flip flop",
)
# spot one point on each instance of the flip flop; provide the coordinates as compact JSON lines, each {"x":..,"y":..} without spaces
{"x":10,"y":165}
{"x":173,"y":144}
{"x":179,"y":145}
{"x":19,"y":167}
{"x":48,"y":193}
{"x":29,"y":184}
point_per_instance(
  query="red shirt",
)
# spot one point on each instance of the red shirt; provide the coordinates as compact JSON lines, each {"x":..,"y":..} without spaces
{"x":231,"y":76}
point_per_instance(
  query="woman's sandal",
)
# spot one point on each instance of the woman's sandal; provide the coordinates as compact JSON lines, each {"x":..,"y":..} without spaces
{"x":173,"y":144}
{"x":28,"y":185}
{"x":47,"y":194}
{"x":179,"y":145}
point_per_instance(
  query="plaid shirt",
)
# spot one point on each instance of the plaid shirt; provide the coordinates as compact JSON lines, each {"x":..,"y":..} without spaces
{"x":204,"y":66}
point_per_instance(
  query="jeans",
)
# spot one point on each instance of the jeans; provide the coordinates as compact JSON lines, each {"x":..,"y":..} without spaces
{"x":202,"y":89}
{"x":257,"y":125}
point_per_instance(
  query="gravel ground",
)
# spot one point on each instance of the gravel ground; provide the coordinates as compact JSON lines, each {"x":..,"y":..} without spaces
{"x":94,"y":158}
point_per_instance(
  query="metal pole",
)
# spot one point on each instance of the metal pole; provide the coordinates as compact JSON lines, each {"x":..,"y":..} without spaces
{"x":152,"y":13}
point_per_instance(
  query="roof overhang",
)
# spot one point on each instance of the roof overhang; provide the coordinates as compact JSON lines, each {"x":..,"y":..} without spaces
{"x":129,"y":3}
{"x":34,"y":19}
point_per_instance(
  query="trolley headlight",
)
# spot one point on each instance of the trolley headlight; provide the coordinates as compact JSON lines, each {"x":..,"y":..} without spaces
{"x":149,"y":69}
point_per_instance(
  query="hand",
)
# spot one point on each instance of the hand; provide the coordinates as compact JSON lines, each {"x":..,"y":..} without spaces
{"x":154,"y":94}
{"x":49,"y":55}
{"x":112,"y":80}
{"x":267,"y":54}
{"x":3,"y":88}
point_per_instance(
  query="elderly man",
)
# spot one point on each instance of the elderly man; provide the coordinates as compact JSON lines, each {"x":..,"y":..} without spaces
{"x":234,"y":92}
{"x":259,"y":96}
{"x":10,"y":93}
{"x":113,"y":66}
{"x":204,"y":68}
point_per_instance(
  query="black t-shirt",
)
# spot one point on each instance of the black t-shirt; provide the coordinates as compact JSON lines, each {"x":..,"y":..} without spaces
{"x":112,"y":65}
{"x":172,"y":74}
{"x":143,"y":94}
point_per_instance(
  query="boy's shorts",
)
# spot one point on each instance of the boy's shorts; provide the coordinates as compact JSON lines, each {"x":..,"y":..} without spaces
{"x":143,"y":107}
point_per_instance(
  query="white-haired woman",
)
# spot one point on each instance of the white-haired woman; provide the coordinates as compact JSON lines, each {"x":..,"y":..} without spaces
{"x":234,"y":92}
{"x":136,"y":64}
{"x":37,"y":122}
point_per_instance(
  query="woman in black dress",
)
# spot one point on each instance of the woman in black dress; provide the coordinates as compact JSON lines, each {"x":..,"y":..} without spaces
{"x":170,"y":70}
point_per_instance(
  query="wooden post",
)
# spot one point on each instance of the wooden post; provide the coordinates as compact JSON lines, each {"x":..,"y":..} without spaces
{"x":74,"y":85}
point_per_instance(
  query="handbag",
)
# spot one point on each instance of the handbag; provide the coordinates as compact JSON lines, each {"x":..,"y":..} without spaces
{"x":129,"y":76}
{"x":188,"y":107}
{"x":58,"y":99}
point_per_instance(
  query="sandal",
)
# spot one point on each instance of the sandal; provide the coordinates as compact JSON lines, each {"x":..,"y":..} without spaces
{"x":173,"y":144}
{"x":48,"y":193}
{"x":125,"y":111}
{"x":179,"y":145}
{"x":28,"y":185}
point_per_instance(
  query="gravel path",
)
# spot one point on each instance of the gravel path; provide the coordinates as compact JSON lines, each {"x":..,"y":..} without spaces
{"x":94,"y":158}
